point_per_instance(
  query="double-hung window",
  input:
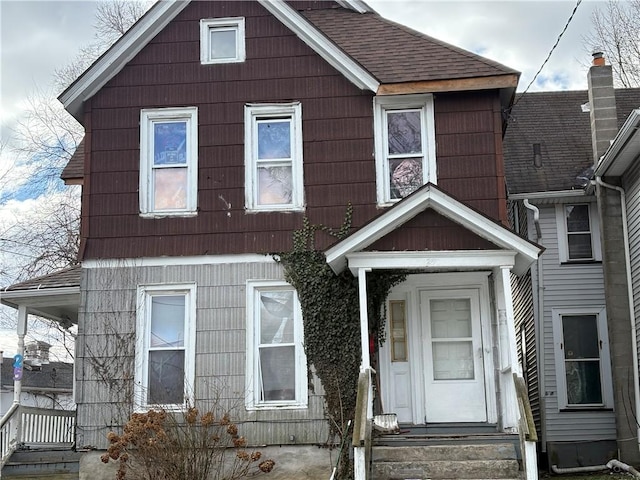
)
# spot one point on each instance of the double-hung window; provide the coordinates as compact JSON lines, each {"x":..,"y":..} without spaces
{"x":582,"y":358}
{"x":578,"y":235}
{"x":273,"y":157}
{"x":405,"y":145}
{"x":165,"y":342}
{"x":168,"y":161}
{"x":222,"y":40}
{"x":276,"y":364}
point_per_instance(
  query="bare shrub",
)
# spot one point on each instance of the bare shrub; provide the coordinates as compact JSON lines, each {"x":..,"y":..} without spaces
{"x":169,"y":445}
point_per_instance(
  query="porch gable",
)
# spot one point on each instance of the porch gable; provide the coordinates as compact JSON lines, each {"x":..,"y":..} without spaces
{"x":485,"y":235}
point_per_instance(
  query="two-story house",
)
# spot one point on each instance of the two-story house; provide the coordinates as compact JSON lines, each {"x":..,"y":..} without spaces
{"x":575,"y":337}
{"x":212,"y":129}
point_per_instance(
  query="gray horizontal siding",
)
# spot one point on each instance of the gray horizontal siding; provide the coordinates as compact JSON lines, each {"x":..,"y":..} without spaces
{"x":105,"y":351}
{"x":567,"y":286}
{"x":632,"y":186}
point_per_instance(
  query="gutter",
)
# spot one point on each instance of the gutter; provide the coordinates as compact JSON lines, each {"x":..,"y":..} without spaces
{"x":539,"y":329}
{"x":632,"y":315}
{"x":624,"y":136}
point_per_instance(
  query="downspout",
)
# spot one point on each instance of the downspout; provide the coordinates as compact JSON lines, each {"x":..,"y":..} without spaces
{"x":540,"y":330}
{"x":632,"y":316}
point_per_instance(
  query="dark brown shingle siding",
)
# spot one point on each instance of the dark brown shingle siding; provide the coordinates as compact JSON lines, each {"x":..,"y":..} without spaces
{"x":339,"y":165}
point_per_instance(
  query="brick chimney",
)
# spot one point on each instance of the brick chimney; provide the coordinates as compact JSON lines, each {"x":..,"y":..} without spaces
{"x":602,"y":103}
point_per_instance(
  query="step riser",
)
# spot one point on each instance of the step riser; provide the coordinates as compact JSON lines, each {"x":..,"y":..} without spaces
{"x":444,"y":452}
{"x":472,"y":469}
{"x":439,"y":462}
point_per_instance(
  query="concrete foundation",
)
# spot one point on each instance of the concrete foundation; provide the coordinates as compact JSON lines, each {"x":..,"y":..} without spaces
{"x":292,"y":463}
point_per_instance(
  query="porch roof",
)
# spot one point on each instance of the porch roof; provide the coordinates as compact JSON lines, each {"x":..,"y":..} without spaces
{"x":55,"y":296}
{"x":513,"y":251}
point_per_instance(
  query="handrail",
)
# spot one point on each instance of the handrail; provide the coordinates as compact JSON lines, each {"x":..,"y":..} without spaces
{"x":362,"y":425}
{"x":362,"y":404}
{"x":527,"y":430}
{"x":527,"y":413}
{"x":35,"y":426}
{"x":9,"y":433}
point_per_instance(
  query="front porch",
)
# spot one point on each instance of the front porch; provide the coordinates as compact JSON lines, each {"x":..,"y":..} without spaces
{"x":450,"y":354}
{"x":29,"y":434}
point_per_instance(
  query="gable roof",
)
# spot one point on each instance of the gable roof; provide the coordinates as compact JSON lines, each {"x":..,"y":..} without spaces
{"x":355,"y":40}
{"x":431,"y":197}
{"x":375,"y":43}
{"x":557,"y":122}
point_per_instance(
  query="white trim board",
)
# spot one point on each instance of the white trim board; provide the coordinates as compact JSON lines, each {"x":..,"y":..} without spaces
{"x":178,"y":261}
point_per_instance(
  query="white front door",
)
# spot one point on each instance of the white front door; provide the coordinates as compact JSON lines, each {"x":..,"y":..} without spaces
{"x":453,"y":356}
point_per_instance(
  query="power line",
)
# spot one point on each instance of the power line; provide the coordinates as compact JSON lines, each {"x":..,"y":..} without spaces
{"x":550,"y":52}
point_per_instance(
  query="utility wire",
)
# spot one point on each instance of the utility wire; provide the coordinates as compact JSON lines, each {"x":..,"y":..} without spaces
{"x":550,"y":52}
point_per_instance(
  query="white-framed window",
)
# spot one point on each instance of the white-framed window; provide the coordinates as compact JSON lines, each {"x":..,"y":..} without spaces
{"x":582,"y":358}
{"x":405,"y":146}
{"x":273,"y":157}
{"x":168,"y":162}
{"x":276,"y":363}
{"x":578,"y":232}
{"x":222,"y":40}
{"x":165,"y":345}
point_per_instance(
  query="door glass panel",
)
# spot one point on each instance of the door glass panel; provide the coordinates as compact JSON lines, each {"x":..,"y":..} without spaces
{"x":451,"y":339}
{"x":453,"y":361}
{"x":451,"y":318}
{"x":398,"y":331}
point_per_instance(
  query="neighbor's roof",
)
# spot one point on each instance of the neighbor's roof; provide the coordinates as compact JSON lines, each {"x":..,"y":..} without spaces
{"x":557,"y":122}
{"x":54,"y":375}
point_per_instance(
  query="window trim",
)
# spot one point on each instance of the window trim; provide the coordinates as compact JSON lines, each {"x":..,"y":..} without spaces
{"x":606,"y":382}
{"x":382,"y":104}
{"x":143,"y":319}
{"x":563,"y":243}
{"x":252,"y":114}
{"x":252,"y":399}
{"x":207,"y":24}
{"x":146,"y":196}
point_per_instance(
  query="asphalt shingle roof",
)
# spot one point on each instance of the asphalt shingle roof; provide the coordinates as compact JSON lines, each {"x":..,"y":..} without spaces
{"x":394,"y":53}
{"x":51,"y":375}
{"x":558,"y":123}
{"x":75,"y":167}
{"x":67,"y":277}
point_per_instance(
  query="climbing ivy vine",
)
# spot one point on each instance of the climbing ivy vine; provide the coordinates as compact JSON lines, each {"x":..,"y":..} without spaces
{"x":331,"y":317}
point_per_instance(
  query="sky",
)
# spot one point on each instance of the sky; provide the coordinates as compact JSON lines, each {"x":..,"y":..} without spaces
{"x":38,"y":36}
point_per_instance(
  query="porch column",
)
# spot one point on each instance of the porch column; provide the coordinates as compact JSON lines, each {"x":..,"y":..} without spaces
{"x":364,"y":318}
{"x":21,"y":331}
{"x":507,"y":348}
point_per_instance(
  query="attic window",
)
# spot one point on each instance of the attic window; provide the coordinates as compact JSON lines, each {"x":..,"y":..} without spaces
{"x":222,"y":40}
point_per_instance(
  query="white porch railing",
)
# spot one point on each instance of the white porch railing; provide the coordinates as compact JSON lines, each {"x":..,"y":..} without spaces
{"x":35,"y":427}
